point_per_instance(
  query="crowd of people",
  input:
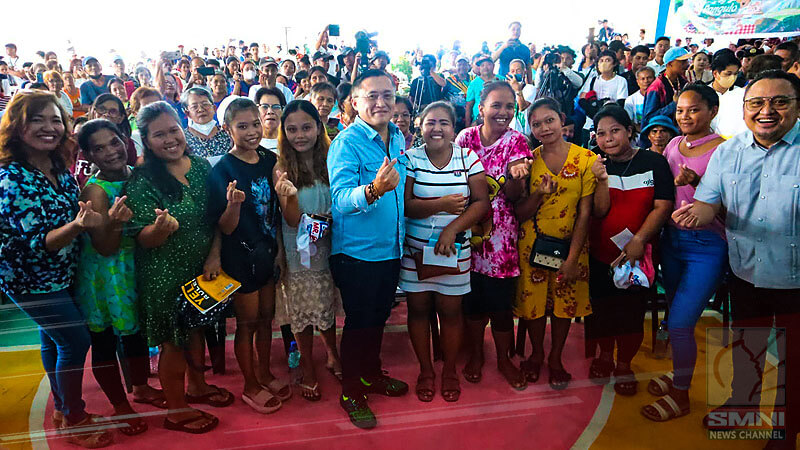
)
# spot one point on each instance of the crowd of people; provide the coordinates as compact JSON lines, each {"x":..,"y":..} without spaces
{"x":504,"y":184}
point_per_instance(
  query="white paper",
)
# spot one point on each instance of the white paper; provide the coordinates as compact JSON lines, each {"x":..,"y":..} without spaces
{"x":431,"y":258}
{"x":622,"y":239}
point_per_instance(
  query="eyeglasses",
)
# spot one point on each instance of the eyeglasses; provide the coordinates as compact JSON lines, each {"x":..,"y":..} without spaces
{"x":274,"y":106}
{"x":107,"y":112}
{"x":778,"y":102}
{"x":387,"y":97}
{"x":200,"y":107}
{"x":404,"y":115}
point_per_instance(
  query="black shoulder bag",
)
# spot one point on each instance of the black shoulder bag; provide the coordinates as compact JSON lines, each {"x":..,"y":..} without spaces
{"x":548,"y":252}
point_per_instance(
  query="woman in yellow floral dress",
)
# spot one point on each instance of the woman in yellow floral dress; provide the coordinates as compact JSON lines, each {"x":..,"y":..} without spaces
{"x":560,"y":197}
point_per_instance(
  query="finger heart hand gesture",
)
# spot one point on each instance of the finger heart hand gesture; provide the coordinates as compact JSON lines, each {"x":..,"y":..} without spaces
{"x":548,"y":185}
{"x":119,"y":211}
{"x":233,"y":195}
{"x":521,"y":168}
{"x":599,"y":169}
{"x":284,"y":187}
{"x":88,"y":217}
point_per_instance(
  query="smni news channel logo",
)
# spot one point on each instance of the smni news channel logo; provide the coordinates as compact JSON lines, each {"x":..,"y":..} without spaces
{"x":746,"y":383}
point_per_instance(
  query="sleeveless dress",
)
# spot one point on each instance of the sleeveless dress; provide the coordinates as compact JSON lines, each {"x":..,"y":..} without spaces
{"x":310,"y":295}
{"x":106,"y":285}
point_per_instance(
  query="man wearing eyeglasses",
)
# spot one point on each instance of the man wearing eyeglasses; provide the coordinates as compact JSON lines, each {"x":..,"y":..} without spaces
{"x":756,"y":177}
{"x":367,"y":179}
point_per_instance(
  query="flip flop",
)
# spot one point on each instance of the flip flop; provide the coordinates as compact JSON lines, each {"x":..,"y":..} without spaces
{"x":159,"y":401}
{"x":88,"y":439}
{"x":451,"y":388}
{"x":205,"y":399}
{"x":277,"y":386}
{"x":310,"y":393}
{"x":336,"y":373}
{"x":260,"y":401}
{"x":181,"y":425}
{"x":134,"y":425}
{"x":518,"y":384}
{"x":660,"y":386}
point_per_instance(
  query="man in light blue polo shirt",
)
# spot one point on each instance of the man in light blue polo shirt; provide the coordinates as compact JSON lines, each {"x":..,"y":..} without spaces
{"x":756,"y":177}
{"x":367,"y":177}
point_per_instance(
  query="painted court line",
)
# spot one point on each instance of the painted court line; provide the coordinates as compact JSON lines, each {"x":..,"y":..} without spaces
{"x":599,"y":419}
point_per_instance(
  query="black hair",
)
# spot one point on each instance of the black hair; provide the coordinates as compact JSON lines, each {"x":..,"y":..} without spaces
{"x":317,"y":69}
{"x":253,"y":44}
{"x":616,"y":112}
{"x":488,"y":88}
{"x":706,"y":93}
{"x":640,"y":49}
{"x":324,"y":86}
{"x":270,"y":91}
{"x":616,"y":46}
{"x":305,"y":59}
{"x":398,"y":99}
{"x":546,"y":102}
{"x":776,"y":75}
{"x":125,"y":126}
{"x":762,"y":63}
{"x":371,"y":73}
{"x":237,"y":106}
{"x":154,"y":168}
{"x":39,"y":86}
{"x":343,"y":91}
{"x":10,"y":45}
{"x":80,"y":120}
{"x":663,"y":38}
{"x":791,"y":47}
{"x":723,"y":59}
{"x":93,"y":126}
{"x":300,"y":75}
{"x":611,"y":55}
{"x":441,"y":104}
{"x":289,"y":60}
{"x":213,"y":62}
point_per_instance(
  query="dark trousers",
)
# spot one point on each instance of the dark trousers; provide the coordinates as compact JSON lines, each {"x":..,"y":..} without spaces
{"x":754,"y":310}
{"x":106,"y":369}
{"x":368,"y":290}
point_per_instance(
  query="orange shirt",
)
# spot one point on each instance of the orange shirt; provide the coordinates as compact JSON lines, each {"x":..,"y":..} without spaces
{"x":76,"y":101}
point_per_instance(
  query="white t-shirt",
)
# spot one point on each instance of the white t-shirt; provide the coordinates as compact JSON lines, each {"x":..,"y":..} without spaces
{"x":634,"y":106}
{"x":287,"y":93}
{"x":656,"y":66}
{"x":65,"y":102}
{"x":614,"y":89}
{"x":520,"y":121}
{"x":270,"y":144}
{"x":729,"y":121}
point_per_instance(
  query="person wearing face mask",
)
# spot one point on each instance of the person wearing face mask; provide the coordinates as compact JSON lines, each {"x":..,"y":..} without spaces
{"x":606,"y":86}
{"x":97,"y":83}
{"x":725,"y":67}
{"x":203,"y":135}
{"x":249,"y":79}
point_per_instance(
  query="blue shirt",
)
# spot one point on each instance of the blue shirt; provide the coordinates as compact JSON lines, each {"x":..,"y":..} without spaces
{"x":369,"y":232}
{"x":90,"y":91}
{"x":760,"y":188}
{"x":517,"y":51}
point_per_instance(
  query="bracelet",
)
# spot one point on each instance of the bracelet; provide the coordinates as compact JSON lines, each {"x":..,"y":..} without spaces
{"x":373,"y":192}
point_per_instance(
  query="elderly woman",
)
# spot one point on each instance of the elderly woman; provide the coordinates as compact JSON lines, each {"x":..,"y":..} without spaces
{"x":55,"y":83}
{"x":40,"y":221}
{"x":219,"y":87}
{"x":203,"y":136}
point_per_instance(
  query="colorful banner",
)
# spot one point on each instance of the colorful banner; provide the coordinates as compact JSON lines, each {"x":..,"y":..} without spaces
{"x":743,"y":18}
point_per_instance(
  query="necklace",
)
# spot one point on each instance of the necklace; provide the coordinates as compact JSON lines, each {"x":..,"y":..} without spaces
{"x":700,"y":141}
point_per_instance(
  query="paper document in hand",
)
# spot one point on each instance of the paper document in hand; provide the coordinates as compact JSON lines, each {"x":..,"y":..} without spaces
{"x":622,"y":238}
{"x":205,"y":295}
{"x":429,"y":257}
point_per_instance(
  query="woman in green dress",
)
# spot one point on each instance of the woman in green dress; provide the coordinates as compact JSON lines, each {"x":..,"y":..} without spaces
{"x":168,"y":197}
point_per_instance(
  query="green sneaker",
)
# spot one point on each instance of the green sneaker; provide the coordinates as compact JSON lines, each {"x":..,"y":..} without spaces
{"x":385,"y":385}
{"x":359,"y":412}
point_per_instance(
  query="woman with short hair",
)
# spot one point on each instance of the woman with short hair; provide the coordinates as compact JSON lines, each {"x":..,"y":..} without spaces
{"x":55,"y":83}
{"x":203,"y":135}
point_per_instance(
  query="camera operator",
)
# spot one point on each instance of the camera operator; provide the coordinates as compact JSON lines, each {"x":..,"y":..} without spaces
{"x":426,"y":88}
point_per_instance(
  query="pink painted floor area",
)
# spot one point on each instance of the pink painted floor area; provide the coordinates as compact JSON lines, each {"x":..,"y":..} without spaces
{"x":489,"y":414}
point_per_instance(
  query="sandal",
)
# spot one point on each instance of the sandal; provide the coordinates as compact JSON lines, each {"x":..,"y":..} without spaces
{"x":310,"y":393}
{"x":663,"y":409}
{"x":260,"y":403}
{"x":159,"y":401}
{"x":279,"y":389}
{"x":205,"y":399}
{"x":87,"y":439}
{"x":559,"y":379}
{"x":660,"y":386}
{"x":625,"y":382}
{"x":472,"y":377}
{"x":335,"y":372}
{"x":516,"y":381}
{"x":531,"y":370}
{"x":58,"y":419}
{"x":133,"y":425}
{"x":451,"y":388}
{"x":600,"y":370}
{"x":181,"y":425}
{"x":426,"y":388}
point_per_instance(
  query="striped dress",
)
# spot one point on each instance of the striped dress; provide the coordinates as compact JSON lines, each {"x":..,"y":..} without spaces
{"x":431,"y":182}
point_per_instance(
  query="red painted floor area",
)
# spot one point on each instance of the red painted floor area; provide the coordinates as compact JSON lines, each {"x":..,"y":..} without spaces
{"x":489,"y":414}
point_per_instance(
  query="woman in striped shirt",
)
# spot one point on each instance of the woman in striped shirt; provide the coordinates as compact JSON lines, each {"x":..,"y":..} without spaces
{"x":446,"y":193}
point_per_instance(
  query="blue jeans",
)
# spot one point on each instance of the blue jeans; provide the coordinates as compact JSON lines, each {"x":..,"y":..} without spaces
{"x":692,"y":264}
{"x":65,"y":341}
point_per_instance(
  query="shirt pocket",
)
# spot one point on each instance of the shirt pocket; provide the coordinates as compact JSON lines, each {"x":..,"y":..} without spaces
{"x":783,"y":209}
{"x":368,"y":171}
{"x":737,"y":198}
